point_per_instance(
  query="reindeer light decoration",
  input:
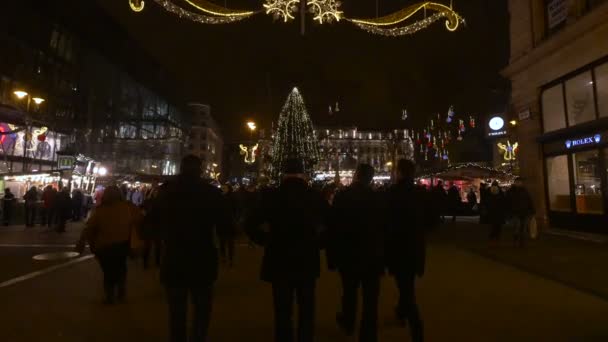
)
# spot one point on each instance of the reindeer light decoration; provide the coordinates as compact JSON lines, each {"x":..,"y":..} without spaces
{"x":510,"y":151}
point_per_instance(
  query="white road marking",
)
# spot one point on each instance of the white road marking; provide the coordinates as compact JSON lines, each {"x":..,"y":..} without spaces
{"x":16,"y":245}
{"x":43,"y":271}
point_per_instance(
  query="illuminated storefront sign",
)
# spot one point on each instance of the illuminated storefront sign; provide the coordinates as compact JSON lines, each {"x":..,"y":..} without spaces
{"x":591,"y":140}
{"x":497,"y":127}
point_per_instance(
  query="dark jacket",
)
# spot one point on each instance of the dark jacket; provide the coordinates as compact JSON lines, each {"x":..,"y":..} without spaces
{"x":184,"y":216}
{"x":356,"y":233}
{"x":496,"y":206}
{"x":520,"y":202}
{"x":409,"y":214}
{"x":31,"y":197}
{"x":295,"y":216}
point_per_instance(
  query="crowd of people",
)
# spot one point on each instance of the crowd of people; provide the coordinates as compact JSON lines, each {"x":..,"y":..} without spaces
{"x":366,"y":233}
{"x":49,"y":207}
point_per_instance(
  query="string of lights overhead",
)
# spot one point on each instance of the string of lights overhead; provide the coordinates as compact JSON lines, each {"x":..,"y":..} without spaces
{"x":323,"y":11}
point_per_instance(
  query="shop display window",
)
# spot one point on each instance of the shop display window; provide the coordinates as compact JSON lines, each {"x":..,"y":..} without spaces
{"x":558,"y":180}
{"x":580,"y":99}
{"x":554,"y":116}
{"x":588,"y":182}
{"x":601,"y":80}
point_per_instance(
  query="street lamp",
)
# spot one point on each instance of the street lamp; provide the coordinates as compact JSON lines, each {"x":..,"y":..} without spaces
{"x":252,"y":126}
{"x":21,"y":94}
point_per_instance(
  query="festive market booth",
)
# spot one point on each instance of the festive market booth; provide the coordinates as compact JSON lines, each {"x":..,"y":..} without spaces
{"x":466,"y":176}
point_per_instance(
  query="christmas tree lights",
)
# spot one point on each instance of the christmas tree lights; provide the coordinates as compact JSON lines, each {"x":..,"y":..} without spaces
{"x":295,"y":137}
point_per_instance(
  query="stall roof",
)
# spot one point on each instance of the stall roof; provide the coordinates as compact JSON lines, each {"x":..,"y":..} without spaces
{"x":469,"y":171}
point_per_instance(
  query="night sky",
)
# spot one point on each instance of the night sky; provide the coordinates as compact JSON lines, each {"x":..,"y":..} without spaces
{"x":245,"y":70}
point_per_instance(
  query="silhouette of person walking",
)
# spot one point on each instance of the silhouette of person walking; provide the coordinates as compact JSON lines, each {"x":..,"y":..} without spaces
{"x":356,"y":250}
{"x":294,"y":214}
{"x":405,"y":244}
{"x":183,"y":216}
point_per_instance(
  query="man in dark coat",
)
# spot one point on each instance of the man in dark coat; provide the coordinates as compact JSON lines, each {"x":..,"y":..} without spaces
{"x":183,"y":216}
{"x":454,"y":201}
{"x":8,"y":203}
{"x":64,"y":208}
{"x":440,"y":199}
{"x":409,"y":214}
{"x":31,"y":201}
{"x":496,"y":210}
{"x":356,"y":249}
{"x":521,"y":209}
{"x":294,"y":215}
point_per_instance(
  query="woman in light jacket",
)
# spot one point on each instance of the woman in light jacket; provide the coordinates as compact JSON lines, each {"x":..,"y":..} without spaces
{"x":109,"y":232}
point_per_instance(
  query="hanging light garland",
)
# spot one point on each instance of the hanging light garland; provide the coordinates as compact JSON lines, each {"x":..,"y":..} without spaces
{"x":199,"y":18}
{"x":324,"y":11}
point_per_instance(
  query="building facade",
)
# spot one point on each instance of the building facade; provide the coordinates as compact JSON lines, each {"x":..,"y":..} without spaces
{"x":559,"y":75}
{"x":342,"y":149}
{"x":99,"y":101}
{"x":206,"y":140}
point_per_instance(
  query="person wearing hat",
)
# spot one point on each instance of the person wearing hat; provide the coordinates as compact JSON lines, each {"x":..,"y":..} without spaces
{"x":521,"y":209}
{"x":294,"y":215}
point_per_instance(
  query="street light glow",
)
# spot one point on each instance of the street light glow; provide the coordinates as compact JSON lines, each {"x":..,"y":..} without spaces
{"x":103,"y":171}
{"x":38,"y":100}
{"x":513,"y":122}
{"x":252,"y":126}
{"x":20,"y":94}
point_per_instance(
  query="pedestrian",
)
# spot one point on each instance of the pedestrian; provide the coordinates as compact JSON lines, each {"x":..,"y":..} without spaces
{"x":227,"y":238}
{"x":77,"y":205}
{"x":137,"y":197}
{"x":63,"y":205}
{"x":472,"y":200}
{"x":440,"y":198}
{"x":496,"y":208}
{"x":356,"y":249}
{"x":49,"y":198}
{"x":294,"y":215}
{"x":8,"y":203}
{"x":31,"y":201}
{"x":483,"y":206}
{"x":454,"y":201}
{"x":408,"y":214}
{"x":110,"y":231}
{"x":184,"y":216}
{"x":152,"y":244}
{"x":521,"y":210}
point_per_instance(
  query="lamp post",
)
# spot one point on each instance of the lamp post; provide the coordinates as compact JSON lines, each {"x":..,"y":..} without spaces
{"x":27,"y":136}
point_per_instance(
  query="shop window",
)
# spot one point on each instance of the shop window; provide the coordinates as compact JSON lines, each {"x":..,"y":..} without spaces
{"x":554,"y":116}
{"x":601,"y":80}
{"x":579,"y":96}
{"x":588,"y":183}
{"x":558,"y":183}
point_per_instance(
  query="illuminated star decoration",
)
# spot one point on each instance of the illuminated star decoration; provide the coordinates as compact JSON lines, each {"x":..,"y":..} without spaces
{"x":510,"y":151}
{"x":137,"y":5}
{"x":325,"y":10}
{"x":282,"y":9}
{"x":249,"y":153}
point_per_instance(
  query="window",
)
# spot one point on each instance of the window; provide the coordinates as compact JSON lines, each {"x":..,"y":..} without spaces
{"x":558,"y":183}
{"x":579,"y":96}
{"x":554,"y":117}
{"x":588,"y":183}
{"x":601,"y":85}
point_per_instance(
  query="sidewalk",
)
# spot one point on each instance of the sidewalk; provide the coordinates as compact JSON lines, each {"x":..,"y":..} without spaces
{"x":572,"y":262}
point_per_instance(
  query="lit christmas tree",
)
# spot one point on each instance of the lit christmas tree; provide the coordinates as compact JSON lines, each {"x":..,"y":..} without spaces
{"x":295,"y":137}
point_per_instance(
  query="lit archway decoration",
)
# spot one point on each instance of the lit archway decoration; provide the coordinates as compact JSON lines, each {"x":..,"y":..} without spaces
{"x":324,"y":11}
{"x":249,"y":153}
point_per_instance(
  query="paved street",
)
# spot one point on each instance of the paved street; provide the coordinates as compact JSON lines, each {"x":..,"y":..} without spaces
{"x":463,"y":297}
